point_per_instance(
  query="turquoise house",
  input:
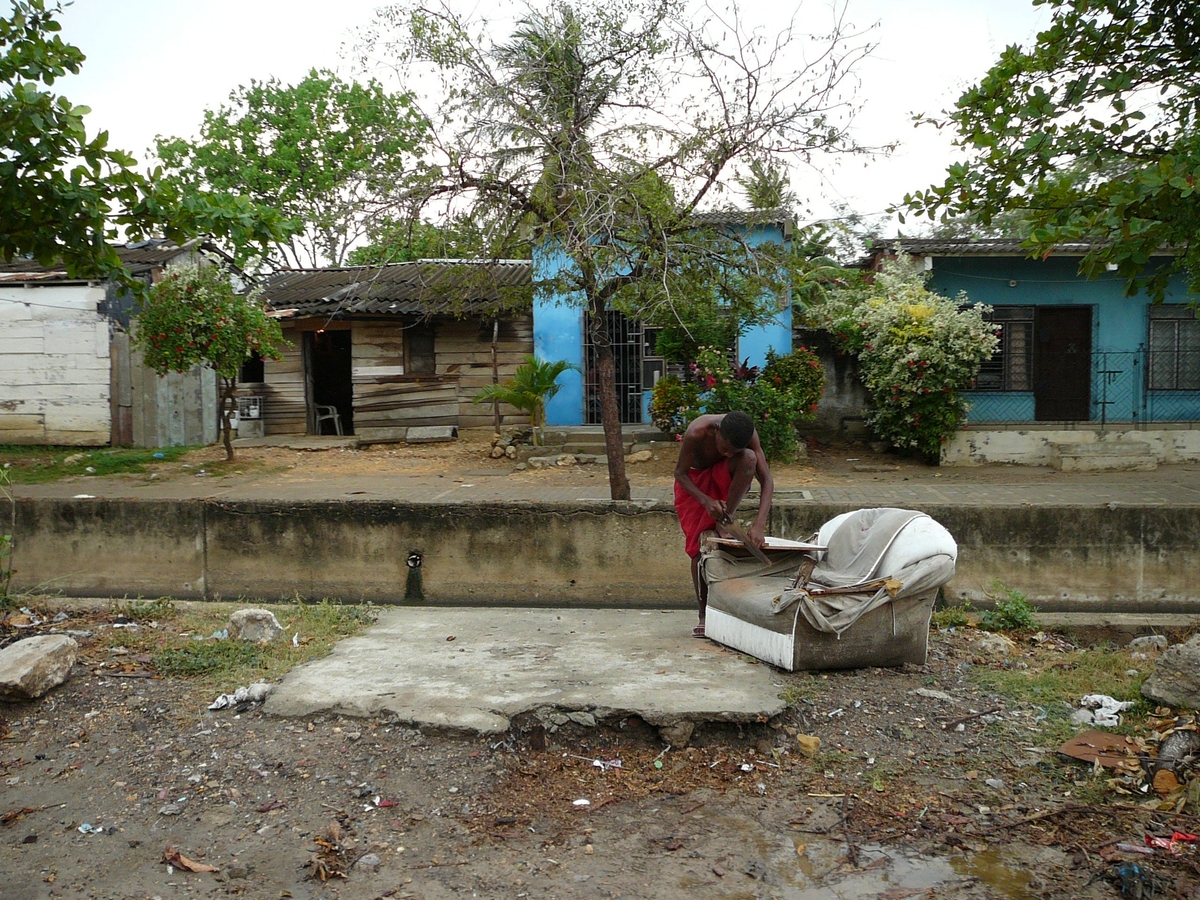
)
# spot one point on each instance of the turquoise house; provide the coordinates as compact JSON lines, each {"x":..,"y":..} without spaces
{"x":559,"y":332}
{"x":1076,"y":354}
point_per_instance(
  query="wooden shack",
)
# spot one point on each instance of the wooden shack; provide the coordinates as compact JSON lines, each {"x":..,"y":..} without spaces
{"x":376,"y":350}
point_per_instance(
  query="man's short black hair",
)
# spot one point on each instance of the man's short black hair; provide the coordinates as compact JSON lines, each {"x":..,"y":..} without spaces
{"x":738,"y":429}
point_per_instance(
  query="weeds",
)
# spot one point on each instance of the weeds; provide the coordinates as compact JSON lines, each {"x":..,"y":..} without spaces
{"x":1010,"y":612}
{"x":210,"y":657}
{"x":148,"y":611}
{"x":7,"y":537}
{"x":953,"y":616}
{"x":37,"y":465}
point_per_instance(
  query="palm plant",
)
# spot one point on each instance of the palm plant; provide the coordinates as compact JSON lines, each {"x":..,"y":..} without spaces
{"x":532,"y":386}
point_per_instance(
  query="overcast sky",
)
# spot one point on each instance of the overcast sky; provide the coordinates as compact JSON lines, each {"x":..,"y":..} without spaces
{"x":153,"y":66}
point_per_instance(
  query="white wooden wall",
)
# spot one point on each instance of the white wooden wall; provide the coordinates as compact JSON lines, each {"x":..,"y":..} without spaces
{"x":54,"y":366}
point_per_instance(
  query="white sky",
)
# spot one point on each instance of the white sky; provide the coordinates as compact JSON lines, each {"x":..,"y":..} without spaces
{"x":153,"y":66}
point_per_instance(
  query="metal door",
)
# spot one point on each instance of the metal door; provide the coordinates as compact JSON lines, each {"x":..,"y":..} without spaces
{"x":1062,"y":363}
{"x":625,"y":336}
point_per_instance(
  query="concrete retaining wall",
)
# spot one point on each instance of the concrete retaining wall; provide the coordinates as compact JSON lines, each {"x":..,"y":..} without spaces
{"x":596,"y":554}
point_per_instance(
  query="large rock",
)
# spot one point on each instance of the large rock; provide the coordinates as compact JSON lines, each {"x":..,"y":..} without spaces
{"x":1176,"y":678}
{"x":33,"y":666}
{"x":254,"y":625}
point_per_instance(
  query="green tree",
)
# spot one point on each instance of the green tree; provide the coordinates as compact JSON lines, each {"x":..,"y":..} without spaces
{"x":64,"y":196}
{"x":195,"y":317}
{"x":326,"y":153}
{"x":917,"y":352}
{"x":1091,"y":134}
{"x":532,"y":386}
{"x":603,"y":131}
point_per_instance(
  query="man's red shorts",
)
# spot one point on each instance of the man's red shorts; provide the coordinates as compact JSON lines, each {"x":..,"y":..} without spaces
{"x":693,"y":519}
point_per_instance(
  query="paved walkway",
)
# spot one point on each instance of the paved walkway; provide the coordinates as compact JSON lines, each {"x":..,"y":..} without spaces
{"x":1176,"y":485}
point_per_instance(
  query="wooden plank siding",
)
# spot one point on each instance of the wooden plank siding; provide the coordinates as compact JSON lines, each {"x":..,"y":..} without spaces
{"x":385,"y":402}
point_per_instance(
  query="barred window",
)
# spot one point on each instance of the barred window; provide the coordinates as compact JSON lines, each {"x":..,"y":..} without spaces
{"x":1174,"y":363}
{"x":1011,"y":365}
{"x":418,"y":349}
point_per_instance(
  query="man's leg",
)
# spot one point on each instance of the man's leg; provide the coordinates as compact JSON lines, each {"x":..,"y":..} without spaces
{"x":701,"y":596}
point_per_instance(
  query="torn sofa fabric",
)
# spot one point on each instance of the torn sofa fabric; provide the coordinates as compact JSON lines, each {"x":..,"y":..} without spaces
{"x":864,"y":601}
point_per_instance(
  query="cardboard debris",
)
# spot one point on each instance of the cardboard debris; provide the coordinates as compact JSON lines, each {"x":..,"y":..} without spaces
{"x":1110,"y":750}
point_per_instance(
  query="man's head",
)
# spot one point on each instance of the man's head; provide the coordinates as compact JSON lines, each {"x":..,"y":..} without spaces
{"x":737,"y":429}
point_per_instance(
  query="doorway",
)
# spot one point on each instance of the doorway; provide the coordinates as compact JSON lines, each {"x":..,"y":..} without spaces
{"x":327,"y":378}
{"x":1062,"y":363}
{"x":625,"y":338}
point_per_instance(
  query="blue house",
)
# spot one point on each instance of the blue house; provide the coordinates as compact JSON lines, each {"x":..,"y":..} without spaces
{"x":560,"y":332}
{"x":1078,"y":361}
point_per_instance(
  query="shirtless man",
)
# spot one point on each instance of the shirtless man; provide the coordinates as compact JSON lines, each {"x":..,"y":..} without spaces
{"x":719,"y":456}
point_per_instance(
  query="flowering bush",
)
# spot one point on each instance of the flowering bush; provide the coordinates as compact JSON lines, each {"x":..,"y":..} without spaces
{"x":917,"y":351}
{"x":783,"y":394}
{"x":195,"y":317}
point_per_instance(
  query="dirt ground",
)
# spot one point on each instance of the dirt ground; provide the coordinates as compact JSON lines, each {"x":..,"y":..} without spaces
{"x":923,"y":786}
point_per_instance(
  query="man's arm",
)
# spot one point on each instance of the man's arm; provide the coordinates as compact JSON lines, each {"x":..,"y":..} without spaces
{"x":762,"y":471}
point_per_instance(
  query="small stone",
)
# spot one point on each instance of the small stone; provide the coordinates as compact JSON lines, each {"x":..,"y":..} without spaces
{"x":497,"y":453}
{"x":809,"y":744}
{"x":640,"y":457}
{"x":1148,"y":643}
{"x":995,"y":784}
{"x":254,"y":626}
{"x":931,"y":694}
{"x":369,"y":861}
{"x":583,"y":718}
{"x":995,"y":646}
{"x":565,"y":459}
{"x":510,"y":452}
{"x":677,"y":734}
{"x":31,"y":667}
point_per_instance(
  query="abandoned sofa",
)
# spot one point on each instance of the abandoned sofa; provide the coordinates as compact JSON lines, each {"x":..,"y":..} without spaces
{"x":858,"y":593}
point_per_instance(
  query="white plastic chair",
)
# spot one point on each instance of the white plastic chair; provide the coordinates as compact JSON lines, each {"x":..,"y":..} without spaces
{"x":328,"y":414}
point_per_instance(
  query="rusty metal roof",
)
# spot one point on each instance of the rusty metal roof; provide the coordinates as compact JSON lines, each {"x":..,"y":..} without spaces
{"x":425,"y":287}
{"x":139,"y":257}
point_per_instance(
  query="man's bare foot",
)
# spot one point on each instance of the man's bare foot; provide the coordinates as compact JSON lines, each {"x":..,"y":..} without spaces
{"x":698,"y":631}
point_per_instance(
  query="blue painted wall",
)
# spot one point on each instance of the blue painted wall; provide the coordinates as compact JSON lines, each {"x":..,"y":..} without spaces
{"x":1120,"y":325}
{"x":558,"y":333}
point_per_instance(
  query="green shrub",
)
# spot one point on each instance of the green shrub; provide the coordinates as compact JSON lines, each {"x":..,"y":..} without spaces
{"x":673,"y":405}
{"x":1011,"y":611}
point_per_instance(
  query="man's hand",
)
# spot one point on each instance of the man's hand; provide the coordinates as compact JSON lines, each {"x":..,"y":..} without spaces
{"x":757,"y":533}
{"x":715,"y":509}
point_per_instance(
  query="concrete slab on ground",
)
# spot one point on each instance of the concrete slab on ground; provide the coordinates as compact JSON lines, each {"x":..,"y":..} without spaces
{"x":474,"y":670}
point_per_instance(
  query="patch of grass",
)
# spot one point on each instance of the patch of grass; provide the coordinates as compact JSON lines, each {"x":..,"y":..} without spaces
{"x":160,"y":610}
{"x":39,"y":465}
{"x":953,"y":616}
{"x":1056,"y":681}
{"x":1011,"y":611}
{"x":210,"y":657}
{"x":802,"y":687}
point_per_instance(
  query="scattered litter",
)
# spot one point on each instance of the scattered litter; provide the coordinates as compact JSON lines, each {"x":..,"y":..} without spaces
{"x":172,"y":857}
{"x":1106,"y":709}
{"x":84,"y":497}
{"x":582,"y":803}
{"x":159,"y":455}
{"x":931,"y":694}
{"x":254,"y":693}
{"x":834,"y":713}
{"x":219,"y":635}
{"x":747,"y":767}
{"x":1109,"y":750}
{"x":85,"y":828}
{"x":296,"y":639}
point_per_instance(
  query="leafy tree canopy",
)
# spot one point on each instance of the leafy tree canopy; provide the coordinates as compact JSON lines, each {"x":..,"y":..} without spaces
{"x":328,"y":154}
{"x":605,"y":130}
{"x":1089,"y":135}
{"x":194,"y":316}
{"x":64,"y":196}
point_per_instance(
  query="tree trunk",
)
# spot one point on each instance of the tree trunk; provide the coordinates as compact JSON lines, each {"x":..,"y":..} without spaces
{"x":610,"y":416}
{"x":228,"y":401}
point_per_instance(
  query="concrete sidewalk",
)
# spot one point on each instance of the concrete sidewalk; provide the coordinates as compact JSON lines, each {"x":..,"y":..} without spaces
{"x":475,"y":670}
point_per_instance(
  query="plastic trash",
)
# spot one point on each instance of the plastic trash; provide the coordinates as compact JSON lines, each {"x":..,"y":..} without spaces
{"x":158,"y":454}
{"x":1105,"y":709}
{"x":582,"y":803}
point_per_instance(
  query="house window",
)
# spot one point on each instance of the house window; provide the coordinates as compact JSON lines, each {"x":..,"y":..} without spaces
{"x":1174,"y":363}
{"x":418,"y":349}
{"x":1010,"y":366}
{"x":252,"y":370}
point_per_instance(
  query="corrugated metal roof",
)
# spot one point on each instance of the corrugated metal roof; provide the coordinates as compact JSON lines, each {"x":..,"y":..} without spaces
{"x":978,"y":247}
{"x":425,"y":287}
{"x":140,"y":257}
